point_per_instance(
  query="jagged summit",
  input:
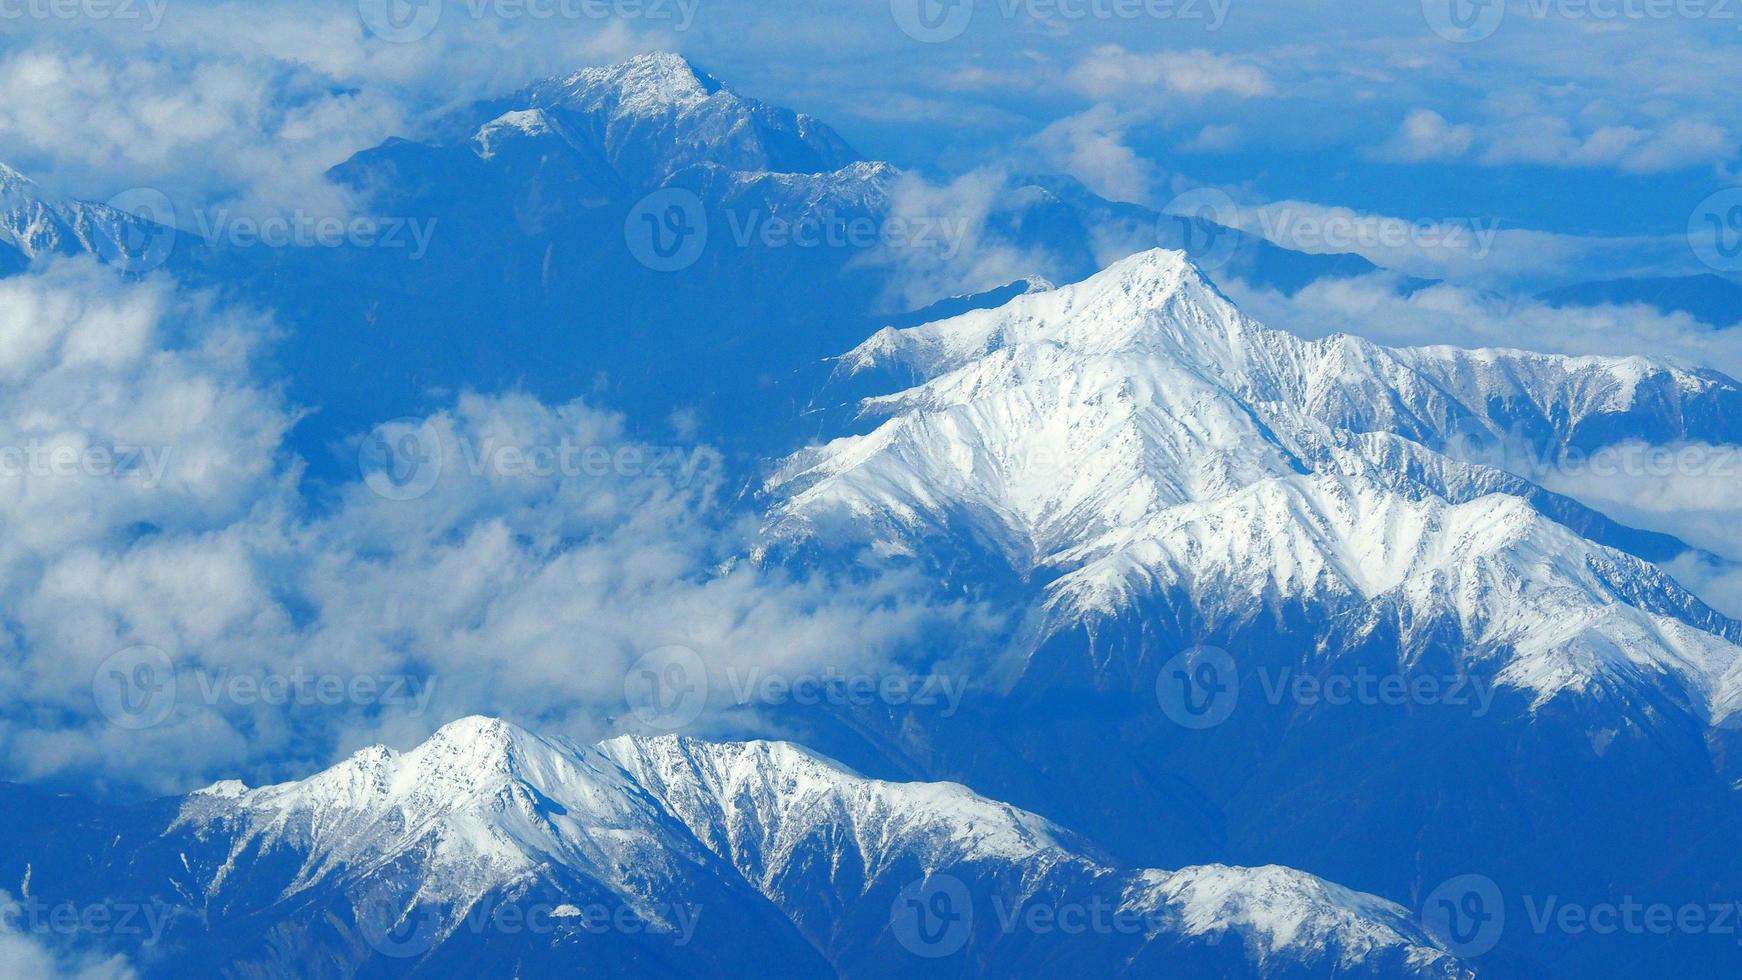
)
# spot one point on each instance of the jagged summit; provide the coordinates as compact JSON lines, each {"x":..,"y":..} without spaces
{"x":35,"y":223}
{"x":1139,"y":447}
{"x":657,"y":113}
{"x":764,"y":831}
{"x":655,"y":80}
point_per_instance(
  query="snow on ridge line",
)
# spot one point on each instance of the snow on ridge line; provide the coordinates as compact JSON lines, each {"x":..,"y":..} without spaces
{"x":1134,"y":435}
{"x":616,"y":804}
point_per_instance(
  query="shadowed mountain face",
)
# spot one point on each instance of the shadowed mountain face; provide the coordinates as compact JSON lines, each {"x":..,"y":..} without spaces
{"x":489,"y":845}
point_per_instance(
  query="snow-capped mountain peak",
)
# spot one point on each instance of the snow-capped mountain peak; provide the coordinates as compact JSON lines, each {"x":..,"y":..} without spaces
{"x":1135,"y":439}
{"x":484,"y":808}
{"x":651,"y":82}
{"x":657,"y":113}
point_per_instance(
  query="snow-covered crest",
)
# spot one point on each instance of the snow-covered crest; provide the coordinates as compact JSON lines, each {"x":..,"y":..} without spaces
{"x":1134,"y":438}
{"x":484,"y":806}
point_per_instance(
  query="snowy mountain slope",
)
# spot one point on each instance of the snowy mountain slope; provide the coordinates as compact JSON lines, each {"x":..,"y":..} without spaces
{"x":747,"y":844}
{"x":34,"y":223}
{"x":657,"y":113}
{"x":775,"y":809}
{"x":1134,"y":437}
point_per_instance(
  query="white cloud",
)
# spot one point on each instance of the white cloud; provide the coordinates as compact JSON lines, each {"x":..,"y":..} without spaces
{"x":513,"y":586}
{"x":1377,"y":307}
{"x":27,"y":955}
{"x":1116,"y":74}
{"x":1476,"y":250}
{"x":1091,"y":147}
{"x":1426,"y":135}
